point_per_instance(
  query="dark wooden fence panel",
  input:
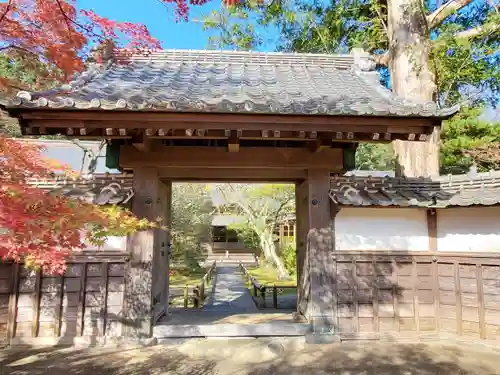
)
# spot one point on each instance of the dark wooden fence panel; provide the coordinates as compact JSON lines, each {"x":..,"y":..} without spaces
{"x":418,"y":294}
{"x":86,"y":301}
{"x":6,"y":285}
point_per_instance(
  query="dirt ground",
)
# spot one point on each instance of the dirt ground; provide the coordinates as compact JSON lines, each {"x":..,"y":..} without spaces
{"x":257,"y":357}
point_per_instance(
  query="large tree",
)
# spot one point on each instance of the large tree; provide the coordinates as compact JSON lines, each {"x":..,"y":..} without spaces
{"x":425,"y":50}
{"x":262,"y":206}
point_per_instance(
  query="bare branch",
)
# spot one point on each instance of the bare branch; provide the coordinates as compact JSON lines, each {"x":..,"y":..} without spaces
{"x":440,"y":14}
{"x":7,"y":8}
{"x":476,"y":31}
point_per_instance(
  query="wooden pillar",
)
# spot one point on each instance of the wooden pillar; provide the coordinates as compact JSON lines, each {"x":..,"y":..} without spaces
{"x":141,"y":246}
{"x":168,"y":241}
{"x":302,"y":227}
{"x":322,"y":307}
{"x":162,"y":250}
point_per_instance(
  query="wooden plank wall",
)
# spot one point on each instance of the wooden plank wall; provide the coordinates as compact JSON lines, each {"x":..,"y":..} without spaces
{"x":418,"y":294}
{"x":6,"y":281}
{"x":86,"y":301}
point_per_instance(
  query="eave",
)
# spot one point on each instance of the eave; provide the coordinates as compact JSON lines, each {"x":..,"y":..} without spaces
{"x":138,"y":125}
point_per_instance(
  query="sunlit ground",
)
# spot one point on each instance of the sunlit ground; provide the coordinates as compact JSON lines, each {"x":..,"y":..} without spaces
{"x":258,"y":357}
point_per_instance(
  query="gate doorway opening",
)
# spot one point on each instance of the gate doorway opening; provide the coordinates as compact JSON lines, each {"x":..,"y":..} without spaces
{"x":230,"y":261}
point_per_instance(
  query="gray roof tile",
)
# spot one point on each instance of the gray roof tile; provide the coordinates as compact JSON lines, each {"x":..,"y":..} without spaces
{"x":439,"y":192}
{"x":100,"y":189}
{"x":222,"y":81}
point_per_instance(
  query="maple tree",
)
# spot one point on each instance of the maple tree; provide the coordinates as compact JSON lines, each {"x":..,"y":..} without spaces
{"x":53,"y":39}
{"x":43,"y":228}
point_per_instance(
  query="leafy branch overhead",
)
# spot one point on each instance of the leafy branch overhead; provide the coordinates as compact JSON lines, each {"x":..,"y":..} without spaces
{"x":464,"y":36}
{"x":45,"y":42}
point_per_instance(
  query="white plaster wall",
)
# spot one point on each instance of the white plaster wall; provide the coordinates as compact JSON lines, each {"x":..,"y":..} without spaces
{"x":367,"y":228}
{"x":113,"y":243}
{"x":474,"y":229}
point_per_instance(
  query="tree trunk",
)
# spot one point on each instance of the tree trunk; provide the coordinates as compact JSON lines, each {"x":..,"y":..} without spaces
{"x":267,"y":244}
{"x":412,"y":78}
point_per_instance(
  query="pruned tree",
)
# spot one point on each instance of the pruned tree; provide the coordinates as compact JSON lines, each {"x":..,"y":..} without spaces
{"x":427,"y":51}
{"x":469,"y":139}
{"x":262,"y":206}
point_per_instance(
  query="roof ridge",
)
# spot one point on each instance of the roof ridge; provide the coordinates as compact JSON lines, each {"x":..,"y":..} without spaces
{"x":147,"y":51}
{"x":338,"y":61}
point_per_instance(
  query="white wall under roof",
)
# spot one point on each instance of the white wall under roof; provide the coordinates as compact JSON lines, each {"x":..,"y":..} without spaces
{"x":368,"y":228}
{"x":113,"y":243}
{"x":460,"y":229}
{"x":471,"y":229}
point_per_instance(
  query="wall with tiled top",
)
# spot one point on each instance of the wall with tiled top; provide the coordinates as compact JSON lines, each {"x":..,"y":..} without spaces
{"x":367,"y":228}
{"x":459,"y":229}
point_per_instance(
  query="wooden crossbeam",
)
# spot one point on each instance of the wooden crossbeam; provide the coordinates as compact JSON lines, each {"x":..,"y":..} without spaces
{"x":218,"y":157}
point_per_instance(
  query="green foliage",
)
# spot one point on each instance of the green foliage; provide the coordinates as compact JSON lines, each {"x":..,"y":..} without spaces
{"x":466,"y":131}
{"x":191,"y":209}
{"x":462,"y":63}
{"x":248,"y":237}
{"x":9,"y":126}
{"x":29,"y":74}
{"x":375,"y":157}
{"x":289,"y":255}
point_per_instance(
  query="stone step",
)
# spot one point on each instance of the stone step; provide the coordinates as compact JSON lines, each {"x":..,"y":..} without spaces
{"x":276,"y":329}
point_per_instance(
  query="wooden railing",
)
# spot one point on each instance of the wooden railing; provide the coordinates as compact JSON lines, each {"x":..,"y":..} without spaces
{"x":260,"y":290}
{"x":199,"y":291}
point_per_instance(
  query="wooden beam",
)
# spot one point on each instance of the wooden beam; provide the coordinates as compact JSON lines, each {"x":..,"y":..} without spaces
{"x":251,"y":130}
{"x":232,"y":174}
{"x":147,"y":141}
{"x":432,"y":229}
{"x":320,"y":144}
{"x":225,"y":121}
{"x":218,"y":157}
{"x":233,"y":142}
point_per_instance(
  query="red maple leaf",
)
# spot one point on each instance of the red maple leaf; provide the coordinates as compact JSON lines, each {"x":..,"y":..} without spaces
{"x":53,"y":38}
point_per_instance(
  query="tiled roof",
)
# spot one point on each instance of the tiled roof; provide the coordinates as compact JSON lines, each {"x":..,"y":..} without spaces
{"x":100,"y":189}
{"x":444,"y":191}
{"x":440,"y":192}
{"x":238,"y":82}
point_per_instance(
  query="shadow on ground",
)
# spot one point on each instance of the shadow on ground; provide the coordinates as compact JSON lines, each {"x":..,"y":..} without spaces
{"x":257,"y":357}
{"x":101,"y":362}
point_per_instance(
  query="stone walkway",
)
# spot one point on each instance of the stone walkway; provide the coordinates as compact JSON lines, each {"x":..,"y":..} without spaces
{"x":257,"y":357}
{"x":230,"y":295}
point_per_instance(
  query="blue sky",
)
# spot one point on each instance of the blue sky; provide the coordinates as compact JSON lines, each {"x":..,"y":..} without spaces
{"x":159,"y":18}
